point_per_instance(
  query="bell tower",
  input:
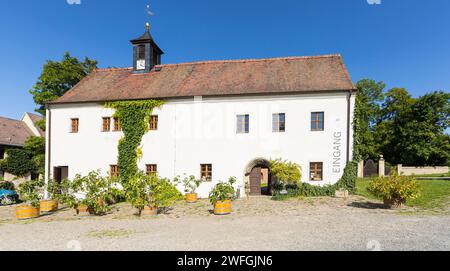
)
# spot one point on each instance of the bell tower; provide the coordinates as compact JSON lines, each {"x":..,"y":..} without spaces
{"x":146,"y":53}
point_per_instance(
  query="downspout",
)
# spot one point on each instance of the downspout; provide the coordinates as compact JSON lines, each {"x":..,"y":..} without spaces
{"x":349,"y":101}
{"x":48,"y":147}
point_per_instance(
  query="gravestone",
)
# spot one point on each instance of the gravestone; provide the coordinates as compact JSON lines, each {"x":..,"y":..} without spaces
{"x":370,"y":169}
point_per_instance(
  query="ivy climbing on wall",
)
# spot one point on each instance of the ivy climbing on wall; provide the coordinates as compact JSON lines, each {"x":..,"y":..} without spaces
{"x":133,"y":117}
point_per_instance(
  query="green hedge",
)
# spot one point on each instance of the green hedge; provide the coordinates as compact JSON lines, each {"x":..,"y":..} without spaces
{"x":347,"y":181}
{"x":18,"y":162}
{"x":4,"y":185}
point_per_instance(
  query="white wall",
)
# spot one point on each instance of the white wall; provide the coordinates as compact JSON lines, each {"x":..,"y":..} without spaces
{"x":411,"y":171}
{"x":203,"y":131}
{"x":29,"y":122}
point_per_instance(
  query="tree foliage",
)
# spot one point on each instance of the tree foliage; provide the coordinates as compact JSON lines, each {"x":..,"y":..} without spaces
{"x":59,"y":77}
{"x":35,"y":146}
{"x":406,"y":130}
{"x":367,"y":111}
{"x":285,"y":171}
{"x":149,"y":190}
{"x":29,"y":191}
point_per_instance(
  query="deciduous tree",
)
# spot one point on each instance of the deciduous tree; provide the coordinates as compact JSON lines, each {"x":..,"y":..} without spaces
{"x":59,"y":77}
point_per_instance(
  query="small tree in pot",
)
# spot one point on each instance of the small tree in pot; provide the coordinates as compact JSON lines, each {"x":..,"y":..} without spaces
{"x":68,"y":195}
{"x":148,"y":193}
{"x":394,"y":190}
{"x":190,"y":186}
{"x":28,"y":192}
{"x":51,"y":205}
{"x":99,"y":192}
{"x":91,"y":194}
{"x":221,"y":196}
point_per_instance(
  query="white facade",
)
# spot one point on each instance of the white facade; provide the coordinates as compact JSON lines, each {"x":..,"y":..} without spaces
{"x":200,"y":130}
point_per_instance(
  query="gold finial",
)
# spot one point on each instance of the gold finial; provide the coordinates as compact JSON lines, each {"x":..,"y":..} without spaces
{"x":147,"y":26}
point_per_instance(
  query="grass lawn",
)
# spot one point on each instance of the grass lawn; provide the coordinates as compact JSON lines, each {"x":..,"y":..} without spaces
{"x":434,"y":194}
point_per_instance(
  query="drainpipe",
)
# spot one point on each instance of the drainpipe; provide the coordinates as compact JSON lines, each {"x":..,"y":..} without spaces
{"x":48,"y":141}
{"x":349,"y":123}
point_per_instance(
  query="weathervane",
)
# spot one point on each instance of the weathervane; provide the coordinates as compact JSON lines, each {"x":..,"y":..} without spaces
{"x":149,"y":13}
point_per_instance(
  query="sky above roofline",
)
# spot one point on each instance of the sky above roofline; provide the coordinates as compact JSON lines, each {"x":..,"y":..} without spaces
{"x":401,"y":42}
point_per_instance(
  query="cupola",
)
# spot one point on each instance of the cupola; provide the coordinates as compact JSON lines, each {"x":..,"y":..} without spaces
{"x":146,"y":53}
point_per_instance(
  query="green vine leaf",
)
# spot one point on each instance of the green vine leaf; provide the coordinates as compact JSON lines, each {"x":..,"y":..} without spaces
{"x":133,"y":117}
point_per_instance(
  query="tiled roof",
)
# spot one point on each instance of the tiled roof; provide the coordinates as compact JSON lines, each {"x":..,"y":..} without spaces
{"x":215,"y":78}
{"x":13,"y":132}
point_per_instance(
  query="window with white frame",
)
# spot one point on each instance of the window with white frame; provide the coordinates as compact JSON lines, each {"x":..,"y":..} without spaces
{"x":279,"y":123}
{"x":243,"y":124}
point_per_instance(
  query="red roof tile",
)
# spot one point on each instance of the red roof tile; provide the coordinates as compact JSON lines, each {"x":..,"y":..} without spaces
{"x":13,"y":132}
{"x":215,"y":78}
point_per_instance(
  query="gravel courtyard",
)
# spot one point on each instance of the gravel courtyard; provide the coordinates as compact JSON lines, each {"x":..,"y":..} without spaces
{"x":256,"y":224}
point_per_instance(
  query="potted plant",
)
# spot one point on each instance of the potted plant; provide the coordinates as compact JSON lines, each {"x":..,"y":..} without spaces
{"x":221,"y":196}
{"x":51,"y":205}
{"x":394,"y":190}
{"x":190,"y":186}
{"x":149,"y":193}
{"x":69,"y":197}
{"x":28,"y":192}
{"x":98,"y":192}
{"x":91,"y":194}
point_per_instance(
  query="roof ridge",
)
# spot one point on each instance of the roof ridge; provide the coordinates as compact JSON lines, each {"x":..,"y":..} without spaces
{"x":111,"y":69}
{"x":251,"y":60}
{"x":226,"y":61}
{"x":6,"y":118}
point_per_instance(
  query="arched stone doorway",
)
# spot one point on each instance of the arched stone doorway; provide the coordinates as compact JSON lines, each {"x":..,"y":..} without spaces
{"x":258,"y":177}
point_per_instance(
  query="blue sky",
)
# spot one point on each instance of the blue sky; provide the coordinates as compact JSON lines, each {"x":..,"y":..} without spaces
{"x":404,"y":43}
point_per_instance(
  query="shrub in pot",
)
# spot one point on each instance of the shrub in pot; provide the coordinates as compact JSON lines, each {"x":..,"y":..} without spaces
{"x":394,"y":190}
{"x":221,"y":196}
{"x":68,"y":195}
{"x":51,"y":204}
{"x":91,"y":194}
{"x":190,"y":187}
{"x":98,"y":192}
{"x":28,"y":192}
{"x":149,"y":193}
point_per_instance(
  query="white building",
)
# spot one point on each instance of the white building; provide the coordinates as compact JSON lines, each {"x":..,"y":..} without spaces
{"x":220,"y":119}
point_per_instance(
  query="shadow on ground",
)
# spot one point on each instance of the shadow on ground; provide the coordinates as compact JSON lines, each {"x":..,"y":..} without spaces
{"x":367,"y":205}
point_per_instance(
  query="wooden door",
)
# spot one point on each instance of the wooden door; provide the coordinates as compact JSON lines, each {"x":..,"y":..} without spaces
{"x":255,"y":182}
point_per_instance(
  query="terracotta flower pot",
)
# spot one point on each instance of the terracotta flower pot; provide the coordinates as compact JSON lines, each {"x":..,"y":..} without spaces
{"x":27,"y":212}
{"x":48,"y":206}
{"x":223,"y":207}
{"x":149,"y":211}
{"x":83,"y":210}
{"x":191,"y":198}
